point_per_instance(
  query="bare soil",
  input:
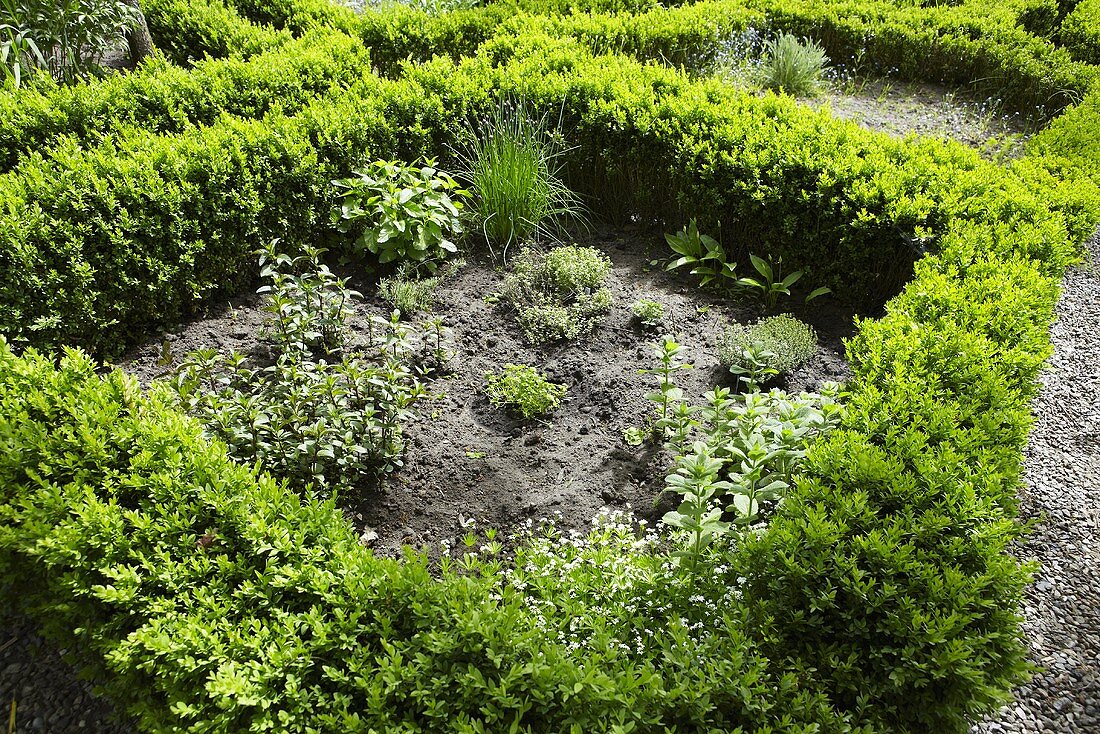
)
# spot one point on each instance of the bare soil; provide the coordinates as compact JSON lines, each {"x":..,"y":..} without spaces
{"x":920,"y":108}
{"x":467,"y":460}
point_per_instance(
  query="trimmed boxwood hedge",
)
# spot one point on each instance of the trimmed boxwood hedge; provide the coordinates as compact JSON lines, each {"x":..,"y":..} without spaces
{"x":100,"y":243}
{"x":992,"y":48}
{"x":163,"y":98}
{"x":191,"y":30}
{"x":1080,"y":32}
{"x":879,"y":599}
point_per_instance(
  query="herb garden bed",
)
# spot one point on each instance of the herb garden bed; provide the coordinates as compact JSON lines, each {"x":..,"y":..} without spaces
{"x":836,"y":563}
{"x":468,"y":460}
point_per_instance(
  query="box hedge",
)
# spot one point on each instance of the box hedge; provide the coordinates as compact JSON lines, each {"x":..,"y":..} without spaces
{"x":1080,"y":32}
{"x":163,"y":98}
{"x":880,"y":597}
{"x":190,"y":30}
{"x":100,"y":243}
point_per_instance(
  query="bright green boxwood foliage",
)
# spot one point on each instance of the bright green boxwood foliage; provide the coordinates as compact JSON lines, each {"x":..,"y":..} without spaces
{"x":1080,"y":31}
{"x":208,"y":598}
{"x":163,"y":98}
{"x":879,"y":599}
{"x":297,"y":16}
{"x":140,"y":230}
{"x":190,"y":30}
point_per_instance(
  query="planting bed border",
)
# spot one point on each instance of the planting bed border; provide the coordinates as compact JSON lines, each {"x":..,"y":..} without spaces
{"x":878,"y":599}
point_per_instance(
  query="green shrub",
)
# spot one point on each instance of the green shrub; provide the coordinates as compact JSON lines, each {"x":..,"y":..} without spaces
{"x":402,"y":212}
{"x":649,"y":313}
{"x":513,"y":164}
{"x":1080,"y":32}
{"x":793,"y":66}
{"x":187,"y":31}
{"x":788,"y":342}
{"x":297,"y":16}
{"x":242,"y":566}
{"x":559,"y":295}
{"x":162,"y":98}
{"x":319,"y":415}
{"x":523,"y":389}
{"x":86,"y":231}
{"x":878,"y":598}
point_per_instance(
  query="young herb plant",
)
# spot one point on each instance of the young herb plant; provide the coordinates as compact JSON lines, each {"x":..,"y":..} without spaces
{"x":704,"y":255}
{"x":649,"y":313}
{"x":409,"y":294}
{"x":773,"y":346}
{"x":673,"y":421}
{"x":771,"y":283}
{"x":559,"y":295}
{"x":753,"y":363}
{"x":523,"y":389}
{"x":751,"y":446}
{"x":318,"y":415}
{"x":402,"y":213}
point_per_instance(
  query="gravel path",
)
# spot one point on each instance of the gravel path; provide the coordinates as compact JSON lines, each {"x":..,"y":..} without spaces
{"x":1062,"y":609}
{"x":49,"y":698}
{"x":1062,"y":467}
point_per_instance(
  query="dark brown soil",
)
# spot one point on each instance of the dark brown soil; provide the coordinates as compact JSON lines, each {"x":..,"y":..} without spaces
{"x":469,"y":461}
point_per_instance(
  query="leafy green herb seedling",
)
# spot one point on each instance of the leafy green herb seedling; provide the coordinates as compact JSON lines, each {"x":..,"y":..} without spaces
{"x":703,"y":254}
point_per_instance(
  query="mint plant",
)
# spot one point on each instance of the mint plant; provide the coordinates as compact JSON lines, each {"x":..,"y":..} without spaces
{"x":402,"y":212}
{"x":308,"y":303}
{"x":699,"y":515}
{"x":749,"y":449}
{"x":673,"y":421}
{"x":752,"y":363}
{"x":318,"y":415}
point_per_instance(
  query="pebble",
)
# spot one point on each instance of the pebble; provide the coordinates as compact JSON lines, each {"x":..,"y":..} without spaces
{"x":1062,"y":475}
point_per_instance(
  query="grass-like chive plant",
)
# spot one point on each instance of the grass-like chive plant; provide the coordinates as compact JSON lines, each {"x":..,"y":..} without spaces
{"x":793,"y":65}
{"x":513,"y":164}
